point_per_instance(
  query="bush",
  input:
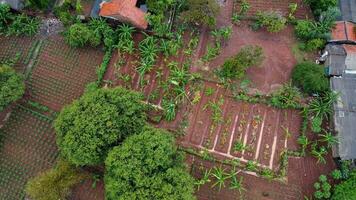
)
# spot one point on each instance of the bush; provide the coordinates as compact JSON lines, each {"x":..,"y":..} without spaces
{"x":319,"y":6}
{"x":90,"y":126}
{"x":12,"y":86}
{"x":79,"y":35}
{"x":147,"y":166}
{"x":273,"y":21}
{"x":235,"y":67}
{"x":286,"y":97}
{"x":55,"y":183}
{"x":310,"y":77}
{"x":201,"y":12}
{"x":314,"y":44}
{"x":346,"y":189}
{"x":11,"y":24}
{"x":159,"y":6}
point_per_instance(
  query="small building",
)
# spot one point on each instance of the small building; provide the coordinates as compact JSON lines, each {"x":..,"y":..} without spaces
{"x":14,"y":4}
{"x":126,"y":11}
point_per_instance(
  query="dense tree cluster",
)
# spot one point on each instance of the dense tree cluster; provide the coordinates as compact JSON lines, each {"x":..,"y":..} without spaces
{"x":147,"y":166}
{"x":100,"y":119}
{"x":12,"y":86}
{"x":310,"y":77}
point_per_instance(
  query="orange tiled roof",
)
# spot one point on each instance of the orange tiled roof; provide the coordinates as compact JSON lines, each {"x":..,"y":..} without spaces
{"x":124,"y":10}
{"x":344,"y":31}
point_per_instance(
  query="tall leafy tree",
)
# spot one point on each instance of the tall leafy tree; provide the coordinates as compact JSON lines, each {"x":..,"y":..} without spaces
{"x":12,"y":86}
{"x":100,"y":119}
{"x":147,"y":166}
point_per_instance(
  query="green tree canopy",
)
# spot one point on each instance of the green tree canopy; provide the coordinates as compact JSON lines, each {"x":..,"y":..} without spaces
{"x":310,"y":77}
{"x":201,"y":12}
{"x":147,"y":166}
{"x":346,"y":190}
{"x":12,"y":86}
{"x":90,"y":126}
{"x":56,"y":183}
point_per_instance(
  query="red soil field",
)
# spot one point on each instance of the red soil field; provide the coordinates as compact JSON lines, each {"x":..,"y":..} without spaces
{"x":61,"y":73}
{"x":281,"y":6}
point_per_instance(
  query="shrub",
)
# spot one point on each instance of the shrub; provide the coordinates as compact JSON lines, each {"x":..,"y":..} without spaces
{"x":79,"y":35}
{"x":55,"y":183}
{"x":11,"y":24}
{"x":286,"y":97}
{"x":159,"y":6}
{"x":346,"y":189}
{"x":319,"y":6}
{"x":40,"y":4}
{"x":90,"y":126}
{"x":310,"y":77}
{"x":147,"y":166}
{"x":313,"y":44}
{"x":12,"y":86}
{"x":322,"y":188}
{"x":235,"y":67}
{"x":201,"y":12}
{"x":273,"y":21}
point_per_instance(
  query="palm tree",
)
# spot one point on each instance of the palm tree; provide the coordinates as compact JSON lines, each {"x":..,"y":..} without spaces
{"x":236,"y":184}
{"x":220,"y":176}
{"x":329,"y":138}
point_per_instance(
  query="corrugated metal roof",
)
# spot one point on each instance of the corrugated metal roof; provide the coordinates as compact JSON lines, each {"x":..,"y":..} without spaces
{"x":345,"y":115}
{"x":336,"y":59}
{"x":348,"y":10}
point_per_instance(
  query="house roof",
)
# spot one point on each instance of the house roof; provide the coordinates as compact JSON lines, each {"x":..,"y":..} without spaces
{"x":343,"y":31}
{"x":336,"y":59}
{"x":345,"y":116}
{"x":124,"y":10}
{"x":348,"y":10}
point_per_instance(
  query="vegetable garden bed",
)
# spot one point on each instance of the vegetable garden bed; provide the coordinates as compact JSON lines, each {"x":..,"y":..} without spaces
{"x":27,"y":147}
{"x":61,"y":73}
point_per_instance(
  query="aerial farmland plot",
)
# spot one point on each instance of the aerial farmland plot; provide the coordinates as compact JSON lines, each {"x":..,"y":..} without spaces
{"x":203,"y":107}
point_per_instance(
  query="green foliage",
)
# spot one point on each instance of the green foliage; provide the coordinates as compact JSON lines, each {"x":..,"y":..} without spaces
{"x":346,"y":189}
{"x":40,"y":4}
{"x":318,"y":6}
{"x":12,"y":86}
{"x":307,"y":30}
{"x":235,"y":67}
{"x":55,"y":183}
{"x":313,"y":44}
{"x":273,"y":21}
{"x":147,"y":166}
{"x":159,"y":6}
{"x":90,"y":126}
{"x":13,"y":24}
{"x":310,"y":77}
{"x":220,"y":177}
{"x":78,"y":35}
{"x":201,"y":12}
{"x":336,"y":174}
{"x":322,"y":188}
{"x":286,"y":97}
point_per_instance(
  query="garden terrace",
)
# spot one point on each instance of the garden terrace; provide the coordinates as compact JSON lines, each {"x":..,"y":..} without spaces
{"x":281,"y":6}
{"x":23,"y":47}
{"x":61,"y":73}
{"x":27,"y":147}
{"x":236,"y":130}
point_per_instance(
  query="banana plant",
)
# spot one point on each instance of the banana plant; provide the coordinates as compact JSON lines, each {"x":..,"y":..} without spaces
{"x":328,"y":138}
{"x":220,"y":175}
